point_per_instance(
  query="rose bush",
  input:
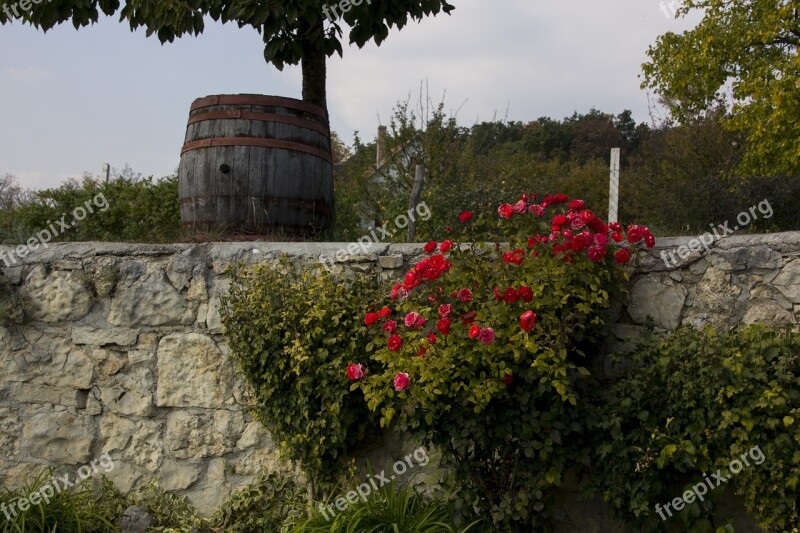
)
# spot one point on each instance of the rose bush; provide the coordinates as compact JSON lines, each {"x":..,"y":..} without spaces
{"x":487,"y":349}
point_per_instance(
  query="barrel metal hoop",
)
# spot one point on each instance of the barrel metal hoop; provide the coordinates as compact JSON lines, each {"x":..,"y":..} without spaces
{"x":252,"y":115}
{"x":259,"y":142}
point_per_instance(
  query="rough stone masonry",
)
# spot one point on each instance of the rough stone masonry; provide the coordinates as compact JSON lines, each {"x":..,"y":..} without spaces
{"x":124,"y":354}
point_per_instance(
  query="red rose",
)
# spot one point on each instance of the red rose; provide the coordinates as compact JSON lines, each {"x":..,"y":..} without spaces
{"x":520,"y":207}
{"x":581,"y":241}
{"x":515,"y":257}
{"x":508,"y":380}
{"x":622,"y":256}
{"x":510,"y":296}
{"x":587,"y":216}
{"x":414,"y":320}
{"x":527,"y":320}
{"x":465,"y":295}
{"x":432,"y":337}
{"x":537,"y":210}
{"x":649,"y":240}
{"x":448,"y":229}
{"x":385,"y":313}
{"x":577,"y":205}
{"x":411,"y":280}
{"x":390,"y":326}
{"x":596,"y":253}
{"x":474,"y":331}
{"x":446,"y":245}
{"x":506,"y":210}
{"x":370,"y":319}
{"x":486,"y":335}
{"x":401,"y":381}
{"x":355,"y":372}
{"x":395,"y":343}
{"x":558,"y":221}
{"x":526,"y":294}
{"x":617,"y":236}
{"x":600,"y":239}
{"x":635,"y":233}
{"x":466,"y":216}
{"x":396,"y":291}
{"x":560,"y":198}
{"x":615,"y":226}
{"x":431,"y":247}
{"x":445,"y":310}
{"x":443,"y":325}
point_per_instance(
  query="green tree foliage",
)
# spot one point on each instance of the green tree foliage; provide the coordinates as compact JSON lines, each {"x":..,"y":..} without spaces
{"x":745,"y":55}
{"x":294,"y":31}
{"x":678,"y":178}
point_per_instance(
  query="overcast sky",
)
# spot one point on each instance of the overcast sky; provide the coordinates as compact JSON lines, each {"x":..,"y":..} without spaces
{"x":72,"y":100}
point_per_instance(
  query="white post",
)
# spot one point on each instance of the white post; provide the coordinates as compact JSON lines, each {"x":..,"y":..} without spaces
{"x":613,"y":187}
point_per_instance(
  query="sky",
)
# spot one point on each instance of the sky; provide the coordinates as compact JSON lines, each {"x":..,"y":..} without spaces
{"x":72,"y":100}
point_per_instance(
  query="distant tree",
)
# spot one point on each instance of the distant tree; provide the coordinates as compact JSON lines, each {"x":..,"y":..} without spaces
{"x":11,"y":194}
{"x":743,"y":55}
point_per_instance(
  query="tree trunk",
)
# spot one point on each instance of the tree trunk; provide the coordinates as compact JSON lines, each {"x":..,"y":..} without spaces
{"x":314,"y":74}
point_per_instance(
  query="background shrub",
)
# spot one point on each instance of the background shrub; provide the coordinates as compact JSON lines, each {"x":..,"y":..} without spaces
{"x":691,"y":403}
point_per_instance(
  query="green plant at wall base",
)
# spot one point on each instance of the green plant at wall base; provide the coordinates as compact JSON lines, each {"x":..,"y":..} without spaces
{"x":272,"y":499}
{"x":389,"y":510}
{"x":691,"y":403}
{"x":172,"y":513}
{"x":290,"y":335}
{"x":484,"y":351}
{"x":82,"y":508}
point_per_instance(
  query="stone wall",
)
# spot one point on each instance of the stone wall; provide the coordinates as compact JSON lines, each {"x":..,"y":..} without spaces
{"x":124,"y":353}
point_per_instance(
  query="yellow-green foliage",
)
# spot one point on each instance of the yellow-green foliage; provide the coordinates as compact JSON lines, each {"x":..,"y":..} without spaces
{"x":292,"y":335}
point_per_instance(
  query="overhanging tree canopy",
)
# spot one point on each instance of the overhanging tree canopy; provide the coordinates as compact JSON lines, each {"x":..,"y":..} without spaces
{"x":750,"y":48}
{"x":294,"y":31}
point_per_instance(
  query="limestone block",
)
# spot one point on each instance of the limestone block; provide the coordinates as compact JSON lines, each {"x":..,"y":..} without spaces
{"x":179,"y":475}
{"x":129,"y":394}
{"x":103,"y":337}
{"x":138,"y":442}
{"x":59,"y":437}
{"x":192,"y":372}
{"x":150,"y":301}
{"x":191,"y":435}
{"x":59,"y":296}
{"x":788,"y":281}
{"x":660,"y":299}
{"x":716,"y":300}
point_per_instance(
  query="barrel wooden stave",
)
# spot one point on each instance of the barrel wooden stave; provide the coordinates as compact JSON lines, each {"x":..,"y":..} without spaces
{"x":267,"y":189}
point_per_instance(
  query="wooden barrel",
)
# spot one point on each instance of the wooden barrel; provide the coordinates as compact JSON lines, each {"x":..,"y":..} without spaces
{"x":256,"y":165}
